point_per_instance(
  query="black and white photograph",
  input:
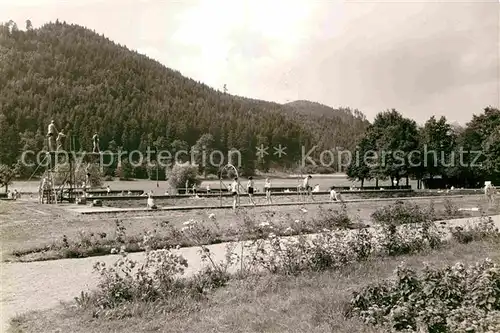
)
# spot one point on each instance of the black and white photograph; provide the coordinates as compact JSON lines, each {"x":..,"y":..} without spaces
{"x":250,"y":166}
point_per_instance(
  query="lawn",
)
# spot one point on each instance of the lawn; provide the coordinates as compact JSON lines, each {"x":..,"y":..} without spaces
{"x":28,"y":226}
{"x":311,"y":302}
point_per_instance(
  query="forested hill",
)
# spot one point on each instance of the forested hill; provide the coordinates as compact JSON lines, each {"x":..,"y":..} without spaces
{"x":318,"y":109}
{"x":87,"y":84}
{"x":333,"y":128}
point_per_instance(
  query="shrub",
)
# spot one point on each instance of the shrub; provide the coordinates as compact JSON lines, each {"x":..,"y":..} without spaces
{"x":200,"y":234}
{"x":126,"y":280}
{"x":401,"y":212}
{"x":449,"y":299}
{"x":182,"y":173}
{"x":362,"y":245}
{"x":451,"y":209}
{"x":158,"y":279}
{"x":485,"y":228}
{"x":471,"y":319}
{"x":331,"y":250}
{"x":215,"y":274}
{"x":407,"y":239}
{"x":332,"y":218}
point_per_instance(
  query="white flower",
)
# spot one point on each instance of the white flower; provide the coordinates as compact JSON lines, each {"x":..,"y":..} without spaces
{"x":271,"y":235}
{"x":177,"y":247}
{"x":185,"y":228}
{"x":297,"y":221}
{"x":211,"y":216}
{"x":187,"y":223}
{"x":303,"y":210}
{"x":289,"y":230}
{"x":114,"y":251}
{"x":264,"y":224}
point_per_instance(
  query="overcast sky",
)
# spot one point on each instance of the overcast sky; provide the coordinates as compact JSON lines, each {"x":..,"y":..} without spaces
{"x":423,"y":58}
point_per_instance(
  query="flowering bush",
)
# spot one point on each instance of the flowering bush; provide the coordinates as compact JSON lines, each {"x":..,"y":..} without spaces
{"x":90,"y":243}
{"x":483,"y":229}
{"x":159,"y":277}
{"x":214,"y":274}
{"x":200,"y":233}
{"x":449,"y":299}
{"x":451,"y":209}
{"x":127,"y":280}
{"x":331,"y":250}
{"x":402,"y":213}
{"x":250,"y":229}
{"x":407,"y":239}
{"x":472,"y":319}
{"x":332,"y":218}
{"x":404,"y":304}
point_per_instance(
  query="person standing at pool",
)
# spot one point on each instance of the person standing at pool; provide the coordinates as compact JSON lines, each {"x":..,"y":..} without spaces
{"x":234,"y":192}
{"x":250,"y":189}
{"x":151,"y":201}
{"x":308,"y":187}
{"x":267,"y":188}
{"x":41,"y":190}
{"x":489,"y":192}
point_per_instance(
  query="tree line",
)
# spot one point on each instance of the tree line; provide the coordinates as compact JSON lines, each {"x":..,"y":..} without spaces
{"x":395,"y":148}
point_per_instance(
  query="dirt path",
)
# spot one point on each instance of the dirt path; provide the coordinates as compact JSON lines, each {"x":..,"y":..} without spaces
{"x":42,"y":285}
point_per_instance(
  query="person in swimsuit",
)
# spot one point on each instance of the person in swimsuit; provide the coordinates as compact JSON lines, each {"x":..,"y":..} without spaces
{"x":250,"y":189}
{"x":307,"y":188}
{"x":267,"y":188}
{"x":489,"y":192}
{"x":334,"y":196}
{"x":234,"y":192}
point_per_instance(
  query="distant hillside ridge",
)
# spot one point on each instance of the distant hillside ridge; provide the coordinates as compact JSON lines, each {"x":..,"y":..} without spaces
{"x":318,"y":109}
{"x":331,"y":128}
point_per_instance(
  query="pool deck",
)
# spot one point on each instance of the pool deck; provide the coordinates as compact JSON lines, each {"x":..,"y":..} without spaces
{"x":87,"y":210}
